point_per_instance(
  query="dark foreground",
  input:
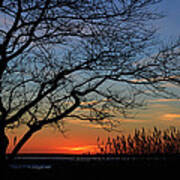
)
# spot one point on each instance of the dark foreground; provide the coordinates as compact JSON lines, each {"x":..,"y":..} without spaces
{"x":93,"y":168}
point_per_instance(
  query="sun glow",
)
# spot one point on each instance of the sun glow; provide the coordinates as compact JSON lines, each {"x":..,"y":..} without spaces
{"x":79,"y":149}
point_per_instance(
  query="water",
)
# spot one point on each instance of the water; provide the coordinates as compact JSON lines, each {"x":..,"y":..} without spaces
{"x":68,"y":158}
{"x":28,"y":162}
{"x":47,"y":162}
{"x":31,"y":166}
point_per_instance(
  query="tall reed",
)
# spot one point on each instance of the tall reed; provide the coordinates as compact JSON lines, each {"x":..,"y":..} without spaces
{"x":143,"y":142}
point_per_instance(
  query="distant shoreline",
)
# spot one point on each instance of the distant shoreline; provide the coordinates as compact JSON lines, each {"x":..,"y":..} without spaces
{"x":56,"y":160}
{"x":99,"y":155}
{"x":88,"y":167}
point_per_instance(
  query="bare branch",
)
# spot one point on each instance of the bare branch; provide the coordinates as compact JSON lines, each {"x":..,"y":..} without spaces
{"x":83,"y":59}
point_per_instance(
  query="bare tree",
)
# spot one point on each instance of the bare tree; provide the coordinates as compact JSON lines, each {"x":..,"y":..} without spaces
{"x":168,"y":62}
{"x":79,"y":59}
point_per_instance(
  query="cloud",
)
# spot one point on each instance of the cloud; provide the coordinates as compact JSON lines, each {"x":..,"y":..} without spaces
{"x":84,"y":123}
{"x":165,"y":100}
{"x":171,"y":117}
{"x":132,"y":120}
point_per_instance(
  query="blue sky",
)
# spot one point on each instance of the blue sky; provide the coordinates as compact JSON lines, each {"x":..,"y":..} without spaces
{"x":162,"y":113}
{"x":170,"y":25}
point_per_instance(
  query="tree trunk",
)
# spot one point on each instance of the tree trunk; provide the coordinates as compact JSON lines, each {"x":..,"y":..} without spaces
{"x":4,"y":142}
{"x":22,"y":141}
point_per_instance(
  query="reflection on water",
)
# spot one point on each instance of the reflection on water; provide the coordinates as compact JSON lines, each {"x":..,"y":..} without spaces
{"x":47,"y":162}
{"x":28,"y":161}
{"x":30,"y":166}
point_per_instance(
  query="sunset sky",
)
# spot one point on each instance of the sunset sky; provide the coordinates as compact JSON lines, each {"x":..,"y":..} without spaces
{"x":80,"y":136}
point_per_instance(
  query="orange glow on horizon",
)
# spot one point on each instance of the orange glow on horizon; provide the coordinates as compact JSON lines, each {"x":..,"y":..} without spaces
{"x":81,"y":135}
{"x":92,"y":149}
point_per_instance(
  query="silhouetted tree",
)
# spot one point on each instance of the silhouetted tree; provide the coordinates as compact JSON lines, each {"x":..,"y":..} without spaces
{"x":63,"y":59}
{"x":168,"y":63}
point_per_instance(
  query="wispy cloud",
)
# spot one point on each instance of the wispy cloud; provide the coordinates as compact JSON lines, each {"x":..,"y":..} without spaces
{"x":132,"y":120}
{"x":84,"y":123}
{"x":171,"y":117}
{"x":164,"y":100}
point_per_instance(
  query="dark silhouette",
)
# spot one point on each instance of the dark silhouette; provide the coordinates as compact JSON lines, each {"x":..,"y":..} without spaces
{"x":15,"y":140}
{"x":142,"y":142}
{"x":62,"y":59}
